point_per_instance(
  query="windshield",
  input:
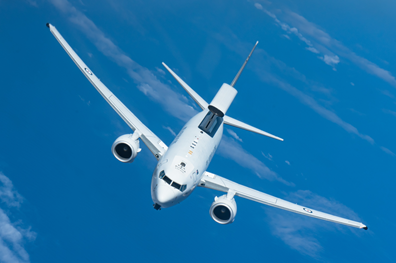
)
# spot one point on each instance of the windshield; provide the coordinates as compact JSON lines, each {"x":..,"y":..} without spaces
{"x":169,"y":181}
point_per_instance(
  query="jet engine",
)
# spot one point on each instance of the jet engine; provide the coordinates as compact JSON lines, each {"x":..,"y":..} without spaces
{"x":223,"y":210}
{"x":126,"y":147}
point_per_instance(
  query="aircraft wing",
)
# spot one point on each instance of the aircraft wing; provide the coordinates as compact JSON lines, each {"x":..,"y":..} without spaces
{"x":155,"y":145}
{"x":219,"y":183}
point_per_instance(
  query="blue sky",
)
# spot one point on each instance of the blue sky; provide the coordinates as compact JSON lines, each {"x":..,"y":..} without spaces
{"x":322,"y":78}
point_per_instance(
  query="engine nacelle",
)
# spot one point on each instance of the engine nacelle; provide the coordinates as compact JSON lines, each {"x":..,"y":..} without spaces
{"x":126,"y":147}
{"x":223,"y":210}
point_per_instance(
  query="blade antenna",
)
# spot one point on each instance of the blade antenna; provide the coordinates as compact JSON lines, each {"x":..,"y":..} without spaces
{"x":243,"y":66}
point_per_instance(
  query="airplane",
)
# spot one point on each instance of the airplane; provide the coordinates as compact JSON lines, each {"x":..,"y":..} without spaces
{"x":182,"y":166}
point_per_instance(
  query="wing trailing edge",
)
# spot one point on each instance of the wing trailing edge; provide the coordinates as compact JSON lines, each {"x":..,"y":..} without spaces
{"x":216,"y":182}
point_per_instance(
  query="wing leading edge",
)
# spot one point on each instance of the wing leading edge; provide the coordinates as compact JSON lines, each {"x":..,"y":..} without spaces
{"x":219,"y":183}
{"x":155,"y":145}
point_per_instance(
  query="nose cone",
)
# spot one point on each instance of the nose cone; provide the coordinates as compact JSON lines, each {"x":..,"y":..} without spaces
{"x":165,"y":195}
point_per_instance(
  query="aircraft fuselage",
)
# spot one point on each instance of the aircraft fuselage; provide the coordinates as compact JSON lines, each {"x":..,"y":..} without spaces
{"x":185,"y":162}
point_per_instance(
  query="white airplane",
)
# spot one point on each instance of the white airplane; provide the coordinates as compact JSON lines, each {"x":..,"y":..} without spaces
{"x":182,"y":166}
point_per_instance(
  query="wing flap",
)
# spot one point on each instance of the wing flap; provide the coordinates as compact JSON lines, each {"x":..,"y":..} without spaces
{"x":219,"y":183}
{"x":155,"y":145}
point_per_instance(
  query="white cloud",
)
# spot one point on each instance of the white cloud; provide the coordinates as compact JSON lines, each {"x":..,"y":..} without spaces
{"x":258,"y":6}
{"x":301,"y":235}
{"x":146,"y":81}
{"x":313,"y":104}
{"x":352,"y":84}
{"x":321,"y":89}
{"x":169,"y":129}
{"x":290,"y":30}
{"x":229,"y":148}
{"x":12,"y":236}
{"x":32,"y":3}
{"x":387,"y":93}
{"x":269,"y":156}
{"x":233,"y":134}
{"x":324,"y":42}
{"x":331,"y":60}
{"x":387,"y":151}
{"x":8,"y":194}
{"x":313,"y":50}
{"x":288,"y":163}
{"x":160,"y":70}
{"x":262,"y":67}
{"x":266,"y":2}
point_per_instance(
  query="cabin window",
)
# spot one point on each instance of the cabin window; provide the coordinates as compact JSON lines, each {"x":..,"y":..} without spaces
{"x":162,"y":174}
{"x":211,"y":123}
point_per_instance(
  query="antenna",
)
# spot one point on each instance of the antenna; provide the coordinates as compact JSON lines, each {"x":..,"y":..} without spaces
{"x":243,"y":66}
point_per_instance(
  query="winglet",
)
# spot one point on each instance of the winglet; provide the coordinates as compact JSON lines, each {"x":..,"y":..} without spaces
{"x":200,"y":101}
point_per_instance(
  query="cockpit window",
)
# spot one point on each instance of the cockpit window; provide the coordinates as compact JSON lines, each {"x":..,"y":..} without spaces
{"x":176,"y":185}
{"x":169,"y":181}
{"x":211,"y":123}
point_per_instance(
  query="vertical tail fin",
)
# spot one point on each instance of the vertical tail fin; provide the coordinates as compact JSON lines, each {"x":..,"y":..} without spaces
{"x":243,"y":66}
{"x":225,"y":96}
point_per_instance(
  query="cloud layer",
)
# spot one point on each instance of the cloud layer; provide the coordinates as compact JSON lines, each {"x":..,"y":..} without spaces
{"x":12,"y":235}
{"x":263,"y":66}
{"x":229,"y":148}
{"x":320,"y":42}
{"x":302,"y":235}
{"x":146,"y":81}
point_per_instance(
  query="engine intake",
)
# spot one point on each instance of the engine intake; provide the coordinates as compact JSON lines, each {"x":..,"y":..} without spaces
{"x":126,"y":148}
{"x":223,"y":210}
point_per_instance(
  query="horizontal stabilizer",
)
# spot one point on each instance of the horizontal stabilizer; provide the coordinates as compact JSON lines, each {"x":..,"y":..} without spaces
{"x":233,"y":122}
{"x":200,"y":101}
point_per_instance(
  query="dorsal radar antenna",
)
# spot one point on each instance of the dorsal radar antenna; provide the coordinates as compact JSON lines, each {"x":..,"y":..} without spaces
{"x":243,"y":66}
